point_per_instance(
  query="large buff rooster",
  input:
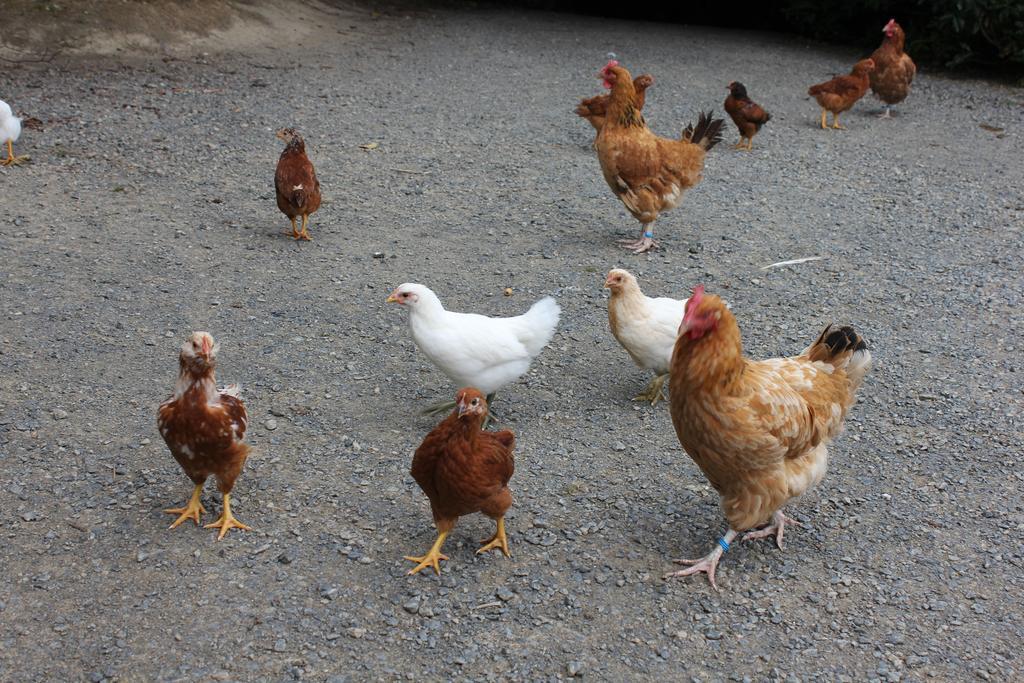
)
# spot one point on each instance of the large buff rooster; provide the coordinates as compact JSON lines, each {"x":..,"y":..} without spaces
{"x":648,"y":173}
{"x":758,"y":430}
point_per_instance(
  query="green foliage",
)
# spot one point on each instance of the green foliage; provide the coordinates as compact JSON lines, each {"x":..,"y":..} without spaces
{"x":988,"y":33}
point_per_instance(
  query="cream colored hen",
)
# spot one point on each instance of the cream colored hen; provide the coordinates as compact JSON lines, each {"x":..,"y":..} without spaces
{"x":645,"y":326}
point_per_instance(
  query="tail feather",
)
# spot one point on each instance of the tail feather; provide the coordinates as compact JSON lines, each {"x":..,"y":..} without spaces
{"x":539,"y":325}
{"x":707,"y":133}
{"x":843,"y":348}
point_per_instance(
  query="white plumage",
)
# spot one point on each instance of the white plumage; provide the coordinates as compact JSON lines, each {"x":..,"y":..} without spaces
{"x":645,"y":326}
{"x":10,"y":131}
{"x":10,"y":125}
{"x":475,"y":350}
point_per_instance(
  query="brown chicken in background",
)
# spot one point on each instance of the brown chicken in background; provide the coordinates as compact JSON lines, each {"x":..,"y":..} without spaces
{"x":842,"y":92}
{"x":594,"y":109}
{"x":463,"y":470}
{"x":745,"y":113}
{"x":204,"y":428}
{"x":298,"y":190}
{"x":758,"y":430}
{"x":649,"y":174}
{"x":894,"y":69}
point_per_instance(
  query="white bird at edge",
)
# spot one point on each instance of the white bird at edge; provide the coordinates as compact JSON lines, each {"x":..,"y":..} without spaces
{"x":475,"y":350}
{"x":10,"y":131}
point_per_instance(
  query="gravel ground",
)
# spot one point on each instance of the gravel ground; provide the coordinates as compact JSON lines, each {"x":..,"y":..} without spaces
{"x":148,"y":212}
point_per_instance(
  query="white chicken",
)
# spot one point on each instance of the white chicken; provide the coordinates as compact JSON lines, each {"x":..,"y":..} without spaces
{"x":646,"y":327}
{"x":10,"y":131}
{"x":475,"y":350}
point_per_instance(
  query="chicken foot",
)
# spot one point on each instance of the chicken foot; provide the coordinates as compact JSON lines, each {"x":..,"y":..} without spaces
{"x":776,"y":527}
{"x":227,"y":520}
{"x":706,"y":564}
{"x":432,"y":558}
{"x":498,"y":540}
{"x":12,"y":160}
{"x":192,"y":509}
{"x":644,"y":243}
{"x":835,"y":122}
{"x":295,"y":229}
{"x":748,"y":146}
{"x":653,"y":394}
{"x":886,"y":113}
{"x":304,"y":233}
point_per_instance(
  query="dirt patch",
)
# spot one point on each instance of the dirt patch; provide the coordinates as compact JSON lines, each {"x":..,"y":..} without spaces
{"x":37,"y":30}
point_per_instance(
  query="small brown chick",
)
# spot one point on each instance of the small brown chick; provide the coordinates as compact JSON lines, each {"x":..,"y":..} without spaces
{"x":298,"y":190}
{"x":745,"y":113}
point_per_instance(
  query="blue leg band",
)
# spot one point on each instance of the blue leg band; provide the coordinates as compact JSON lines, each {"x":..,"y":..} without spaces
{"x":724,"y":543}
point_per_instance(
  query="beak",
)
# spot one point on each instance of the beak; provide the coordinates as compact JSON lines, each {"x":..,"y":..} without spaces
{"x":608,"y":283}
{"x":684,"y":327}
{"x":392,"y":298}
{"x":462,"y":408}
{"x":206,"y":346}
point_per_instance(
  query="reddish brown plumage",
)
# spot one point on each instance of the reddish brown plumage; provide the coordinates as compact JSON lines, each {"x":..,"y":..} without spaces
{"x":201,"y":425}
{"x":842,"y":92}
{"x":758,"y":429}
{"x":463,"y":469}
{"x":744,"y":112}
{"x":298,"y":190}
{"x":894,"y":69}
{"x":594,"y":109}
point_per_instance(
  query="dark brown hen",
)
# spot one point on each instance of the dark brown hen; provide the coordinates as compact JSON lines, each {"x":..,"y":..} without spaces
{"x":298,"y":190}
{"x":463,"y":470}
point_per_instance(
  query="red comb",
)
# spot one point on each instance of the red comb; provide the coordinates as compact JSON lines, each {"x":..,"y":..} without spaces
{"x":698,"y":294}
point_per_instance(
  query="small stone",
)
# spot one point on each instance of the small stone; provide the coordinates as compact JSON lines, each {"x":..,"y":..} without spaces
{"x":412,"y":606}
{"x":270,"y":424}
{"x":30,"y":516}
{"x":145,"y":442}
{"x":713,"y":635}
{"x":277,"y":411}
{"x":59,"y":414}
{"x":619,"y":446}
{"x":355,"y":632}
{"x":426,"y":611}
{"x":574,"y":668}
{"x":287,"y":557}
{"x":280,"y":645}
{"x":378,"y":254}
{"x":504,"y":593}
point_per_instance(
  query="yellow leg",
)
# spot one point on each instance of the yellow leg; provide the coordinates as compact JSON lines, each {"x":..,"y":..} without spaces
{"x":750,"y":144}
{"x":192,"y":509}
{"x":227,"y":520}
{"x":835,"y":122}
{"x":432,"y":558}
{"x":824,"y":118}
{"x":304,"y":233}
{"x":12,"y":160}
{"x":498,"y":540}
{"x":295,"y":229}
{"x":740,"y":145}
{"x":653,"y":393}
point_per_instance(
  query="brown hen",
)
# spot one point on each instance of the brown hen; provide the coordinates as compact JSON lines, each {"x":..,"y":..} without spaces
{"x":758,"y":430}
{"x":463,"y":470}
{"x":204,"y":427}
{"x":894,"y":69}
{"x":594,"y":109}
{"x":842,"y":92}
{"x":298,"y":190}
{"x":745,"y":113}
{"x":647,"y":173}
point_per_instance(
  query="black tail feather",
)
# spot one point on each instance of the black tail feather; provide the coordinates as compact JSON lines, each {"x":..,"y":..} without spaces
{"x":840,"y":339}
{"x":707,"y":133}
